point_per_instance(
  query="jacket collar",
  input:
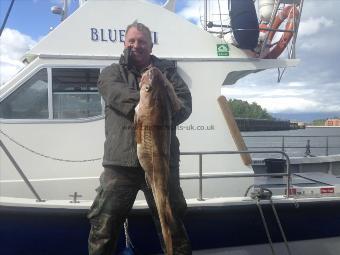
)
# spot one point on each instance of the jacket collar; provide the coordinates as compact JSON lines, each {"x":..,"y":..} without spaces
{"x":162,"y":65}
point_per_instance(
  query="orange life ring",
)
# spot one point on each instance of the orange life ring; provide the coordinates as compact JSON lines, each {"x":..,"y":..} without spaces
{"x":277,"y":48}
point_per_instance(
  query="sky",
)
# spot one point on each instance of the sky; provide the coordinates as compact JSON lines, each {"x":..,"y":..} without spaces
{"x":311,"y":87}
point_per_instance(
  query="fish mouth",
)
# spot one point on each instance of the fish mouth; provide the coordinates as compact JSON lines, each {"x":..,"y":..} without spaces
{"x":147,"y":87}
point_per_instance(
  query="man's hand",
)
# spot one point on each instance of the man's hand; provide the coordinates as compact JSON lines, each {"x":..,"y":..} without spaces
{"x":127,"y":56}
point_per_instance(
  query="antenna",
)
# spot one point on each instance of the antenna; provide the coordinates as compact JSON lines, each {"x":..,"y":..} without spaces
{"x":6,"y":17}
{"x":62,"y":11}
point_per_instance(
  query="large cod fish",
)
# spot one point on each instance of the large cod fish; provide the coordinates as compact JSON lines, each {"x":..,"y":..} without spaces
{"x":153,"y":134}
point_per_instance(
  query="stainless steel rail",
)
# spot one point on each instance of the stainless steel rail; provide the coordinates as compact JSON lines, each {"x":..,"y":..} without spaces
{"x":286,"y":145}
{"x":201,"y":176}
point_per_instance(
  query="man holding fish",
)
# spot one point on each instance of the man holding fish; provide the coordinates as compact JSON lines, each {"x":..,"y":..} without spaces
{"x":145,"y":99}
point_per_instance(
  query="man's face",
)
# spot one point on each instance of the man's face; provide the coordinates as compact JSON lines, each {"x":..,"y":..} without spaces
{"x":141,"y":47}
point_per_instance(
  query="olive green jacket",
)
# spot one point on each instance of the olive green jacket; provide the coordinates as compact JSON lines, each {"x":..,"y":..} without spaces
{"x":118,"y":85}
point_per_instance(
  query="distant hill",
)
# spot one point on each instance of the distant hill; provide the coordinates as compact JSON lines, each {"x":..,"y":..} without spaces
{"x":306,"y":116}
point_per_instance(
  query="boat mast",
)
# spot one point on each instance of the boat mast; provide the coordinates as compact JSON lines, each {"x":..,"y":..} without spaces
{"x":65,"y":10}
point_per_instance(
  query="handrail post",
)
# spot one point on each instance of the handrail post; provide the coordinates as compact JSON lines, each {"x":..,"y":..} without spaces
{"x":283,"y":145}
{"x":307,"y":152}
{"x":288,"y":173}
{"x":200,"y":175}
{"x":200,"y":195}
{"x":22,"y":174}
{"x":326,"y":145}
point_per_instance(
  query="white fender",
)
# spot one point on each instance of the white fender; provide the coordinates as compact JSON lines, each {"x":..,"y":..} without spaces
{"x":265,"y":9}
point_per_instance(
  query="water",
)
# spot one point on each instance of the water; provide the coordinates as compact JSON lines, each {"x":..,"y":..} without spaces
{"x":295,"y":141}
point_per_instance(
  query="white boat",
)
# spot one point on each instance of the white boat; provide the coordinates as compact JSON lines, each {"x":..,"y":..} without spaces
{"x":52,"y":135}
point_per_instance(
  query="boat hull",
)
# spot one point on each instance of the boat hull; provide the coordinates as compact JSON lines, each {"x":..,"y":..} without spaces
{"x":210,"y":228}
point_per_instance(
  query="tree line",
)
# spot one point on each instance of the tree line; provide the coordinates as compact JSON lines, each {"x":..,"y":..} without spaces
{"x":242,"y":109}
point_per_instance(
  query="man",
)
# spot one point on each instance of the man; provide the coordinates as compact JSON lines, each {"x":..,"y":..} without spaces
{"x":123,"y":176}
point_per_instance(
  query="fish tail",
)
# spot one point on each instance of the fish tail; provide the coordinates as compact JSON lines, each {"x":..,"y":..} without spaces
{"x":166,"y":219}
{"x":167,"y":223}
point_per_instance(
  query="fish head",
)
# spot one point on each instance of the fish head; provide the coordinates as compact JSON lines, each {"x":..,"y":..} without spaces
{"x":151,"y":85}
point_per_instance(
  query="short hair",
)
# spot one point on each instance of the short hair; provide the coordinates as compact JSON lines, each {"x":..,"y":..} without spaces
{"x":140,"y":27}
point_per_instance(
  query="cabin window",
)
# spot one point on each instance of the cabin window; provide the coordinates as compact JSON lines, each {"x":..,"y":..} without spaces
{"x":30,"y":101}
{"x":75,"y":94}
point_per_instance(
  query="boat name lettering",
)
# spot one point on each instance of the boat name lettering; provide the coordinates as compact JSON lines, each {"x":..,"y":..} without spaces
{"x":114,"y":35}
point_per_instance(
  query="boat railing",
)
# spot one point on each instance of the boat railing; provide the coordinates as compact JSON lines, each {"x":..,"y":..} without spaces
{"x":279,"y":4}
{"x":200,"y":176}
{"x":265,"y":42}
{"x":286,"y":143}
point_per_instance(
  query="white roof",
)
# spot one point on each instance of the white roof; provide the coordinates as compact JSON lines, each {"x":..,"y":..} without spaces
{"x":97,"y":29}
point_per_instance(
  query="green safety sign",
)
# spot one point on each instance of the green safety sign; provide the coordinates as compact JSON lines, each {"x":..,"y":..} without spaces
{"x":222,"y":49}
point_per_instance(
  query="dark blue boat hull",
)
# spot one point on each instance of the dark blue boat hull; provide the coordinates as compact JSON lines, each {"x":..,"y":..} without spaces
{"x":41,"y":231}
